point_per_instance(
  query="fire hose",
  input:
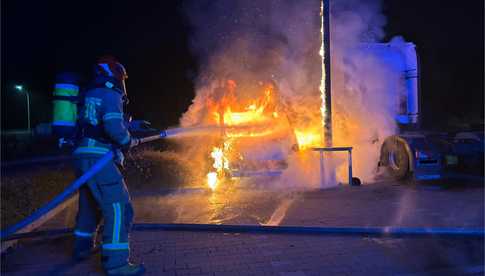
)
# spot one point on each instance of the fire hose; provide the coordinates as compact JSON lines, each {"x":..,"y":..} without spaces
{"x":74,"y":186}
{"x":59,"y":198}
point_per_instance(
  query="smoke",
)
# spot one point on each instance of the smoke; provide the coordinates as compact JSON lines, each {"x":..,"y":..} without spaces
{"x":365,"y":89}
{"x":279,"y":41}
{"x":253,"y":41}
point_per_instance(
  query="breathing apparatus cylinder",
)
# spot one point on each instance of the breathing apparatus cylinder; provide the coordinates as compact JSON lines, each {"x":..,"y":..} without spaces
{"x":65,"y":107}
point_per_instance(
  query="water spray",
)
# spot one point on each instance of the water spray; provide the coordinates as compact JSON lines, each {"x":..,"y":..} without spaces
{"x":180,"y":132}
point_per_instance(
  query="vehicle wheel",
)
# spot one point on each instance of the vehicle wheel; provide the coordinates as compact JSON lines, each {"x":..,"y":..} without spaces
{"x":395,"y":158}
{"x":356,"y":181}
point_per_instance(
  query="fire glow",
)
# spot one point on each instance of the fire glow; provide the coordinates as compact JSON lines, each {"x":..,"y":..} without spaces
{"x":254,"y":113}
{"x":220,"y":164}
{"x":262,"y":117}
{"x":237,"y":123}
{"x":307,"y":139}
{"x":236,"y":119}
{"x":257,"y":118}
{"x":292,"y":57}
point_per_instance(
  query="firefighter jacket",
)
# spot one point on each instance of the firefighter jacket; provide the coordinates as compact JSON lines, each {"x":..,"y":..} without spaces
{"x":102,"y":122}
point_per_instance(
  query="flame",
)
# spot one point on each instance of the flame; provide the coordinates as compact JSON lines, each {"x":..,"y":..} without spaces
{"x":257,"y":111}
{"x":212,"y":180}
{"x":249,"y":132}
{"x":307,"y":139}
{"x":251,"y":119}
{"x":221,"y":163}
{"x":250,"y":116}
{"x":254,"y":118}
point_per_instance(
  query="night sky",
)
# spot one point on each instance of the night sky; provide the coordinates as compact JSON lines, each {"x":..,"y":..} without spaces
{"x":151,"y":38}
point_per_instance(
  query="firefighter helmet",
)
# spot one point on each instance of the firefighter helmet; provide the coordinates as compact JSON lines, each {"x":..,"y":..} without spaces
{"x":108,"y":66}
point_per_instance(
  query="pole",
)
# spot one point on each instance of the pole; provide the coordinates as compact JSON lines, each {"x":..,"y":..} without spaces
{"x":326,"y":66}
{"x":322,"y":171}
{"x":350,"y":167}
{"x":28,"y":110}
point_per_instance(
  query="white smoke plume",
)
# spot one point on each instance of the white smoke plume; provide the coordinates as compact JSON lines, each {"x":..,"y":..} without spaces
{"x":365,"y":90}
{"x":279,"y":40}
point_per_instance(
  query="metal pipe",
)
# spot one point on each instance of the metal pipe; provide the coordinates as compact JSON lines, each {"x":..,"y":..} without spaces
{"x":322,"y":171}
{"x":411,"y":72}
{"x":350,"y":167}
{"x":332,"y":149}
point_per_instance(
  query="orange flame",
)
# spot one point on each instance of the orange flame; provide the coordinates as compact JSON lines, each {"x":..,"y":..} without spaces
{"x":254,"y":118}
{"x":238,"y":120}
{"x":258,"y":111}
{"x":221,"y":163}
{"x":307,"y":139}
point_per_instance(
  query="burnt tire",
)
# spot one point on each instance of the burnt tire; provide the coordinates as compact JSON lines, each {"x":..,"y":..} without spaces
{"x":356,"y":181}
{"x":395,"y":158}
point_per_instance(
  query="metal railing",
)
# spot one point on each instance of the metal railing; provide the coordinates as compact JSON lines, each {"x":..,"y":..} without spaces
{"x":334,"y":149}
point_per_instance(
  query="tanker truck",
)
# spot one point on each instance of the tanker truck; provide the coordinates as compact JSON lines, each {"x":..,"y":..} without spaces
{"x":413,"y":152}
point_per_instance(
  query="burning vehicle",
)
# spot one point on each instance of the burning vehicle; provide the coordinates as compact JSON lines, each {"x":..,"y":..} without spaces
{"x":262,"y":122}
{"x":255,"y":133}
{"x":259,"y":128}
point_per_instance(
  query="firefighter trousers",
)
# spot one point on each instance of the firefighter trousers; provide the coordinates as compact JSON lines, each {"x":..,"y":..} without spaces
{"x":106,"y":197}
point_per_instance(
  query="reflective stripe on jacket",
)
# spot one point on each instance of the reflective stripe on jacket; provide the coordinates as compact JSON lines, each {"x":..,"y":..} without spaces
{"x":103,"y":113}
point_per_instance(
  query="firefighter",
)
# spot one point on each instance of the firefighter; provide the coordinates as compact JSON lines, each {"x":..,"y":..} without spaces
{"x":105,"y":195}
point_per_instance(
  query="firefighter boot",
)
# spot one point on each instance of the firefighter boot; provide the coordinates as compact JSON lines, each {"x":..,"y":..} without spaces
{"x":127,"y":269}
{"x":83,"y":248}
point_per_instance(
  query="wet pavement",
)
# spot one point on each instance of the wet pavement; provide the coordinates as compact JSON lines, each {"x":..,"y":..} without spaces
{"x":376,"y":205}
{"x":209,"y":253}
{"x":231,"y":205}
{"x":239,"y":203}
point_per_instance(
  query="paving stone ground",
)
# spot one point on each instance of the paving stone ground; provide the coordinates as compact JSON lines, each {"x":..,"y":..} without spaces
{"x":205,"y":253}
{"x":211,"y":253}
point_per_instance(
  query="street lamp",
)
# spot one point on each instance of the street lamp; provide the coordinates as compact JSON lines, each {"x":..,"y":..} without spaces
{"x":20,"y":89}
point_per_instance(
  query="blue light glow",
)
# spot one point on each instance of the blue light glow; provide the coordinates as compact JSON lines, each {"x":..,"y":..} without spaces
{"x":19,"y":87}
